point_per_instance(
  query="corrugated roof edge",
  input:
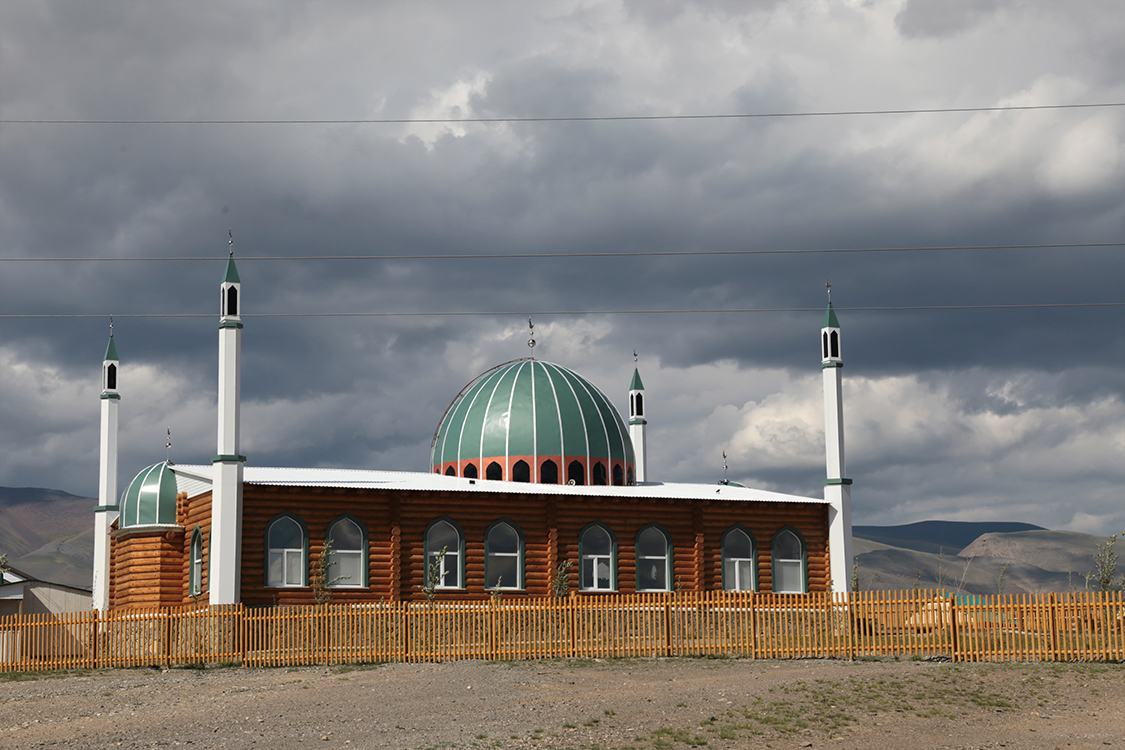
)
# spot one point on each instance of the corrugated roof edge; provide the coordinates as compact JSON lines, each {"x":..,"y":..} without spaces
{"x":422,"y":481}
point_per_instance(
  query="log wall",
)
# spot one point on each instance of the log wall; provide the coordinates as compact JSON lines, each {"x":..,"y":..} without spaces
{"x":396,"y":523}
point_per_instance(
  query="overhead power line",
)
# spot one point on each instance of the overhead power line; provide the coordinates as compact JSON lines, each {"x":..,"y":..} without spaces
{"x":496,"y":313}
{"x":626,"y":254}
{"x":607,"y":118}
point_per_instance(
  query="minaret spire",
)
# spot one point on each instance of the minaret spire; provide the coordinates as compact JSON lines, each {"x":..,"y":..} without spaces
{"x":837,"y":488}
{"x":106,"y":511}
{"x":225,"y":565}
{"x":637,"y":422}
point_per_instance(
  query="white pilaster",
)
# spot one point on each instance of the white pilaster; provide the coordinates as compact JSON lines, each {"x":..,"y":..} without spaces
{"x":837,"y":488}
{"x":225,"y":563}
{"x":107,"y":510}
{"x":638,"y":426}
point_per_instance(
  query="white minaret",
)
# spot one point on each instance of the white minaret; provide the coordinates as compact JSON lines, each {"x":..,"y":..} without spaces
{"x":106,"y":511}
{"x":837,"y":488}
{"x":638,"y":424}
{"x":225,"y":565}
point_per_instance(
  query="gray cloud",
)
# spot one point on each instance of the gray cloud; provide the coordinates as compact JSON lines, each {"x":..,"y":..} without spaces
{"x":369,"y":391}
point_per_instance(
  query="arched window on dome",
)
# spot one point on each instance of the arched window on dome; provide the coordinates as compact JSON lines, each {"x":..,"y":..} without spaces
{"x":790,"y":562}
{"x":445,"y":548}
{"x":549,"y":472}
{"x":521,"y":472}
{"x":195,"y":579}
{"x":494,"y":471}
{"x":287,"y":552}
{"x":347,"y":567}
{"x":503,"y":556}
{"x":470,"y":471}
{"x":618,"y":476}
{"x":576,"y":473}
{"x":451,"y":472}
{"x":597,"y":551}
{"x":654,"y":559}
{"x":599,"y":473}
{"x":630,"y":477}
{"x":740,"y":560}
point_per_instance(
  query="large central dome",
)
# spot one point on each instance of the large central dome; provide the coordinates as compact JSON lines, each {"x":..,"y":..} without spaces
{"x":531,"y":421}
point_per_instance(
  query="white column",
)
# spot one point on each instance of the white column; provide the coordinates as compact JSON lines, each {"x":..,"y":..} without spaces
{"x":638,"y":426}
{"x":106,"y":512}
{"x":225,"y":564}
{"x":837,"y":488}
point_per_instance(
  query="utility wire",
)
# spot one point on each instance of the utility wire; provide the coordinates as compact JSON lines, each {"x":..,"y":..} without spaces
{"x":611,"y":118}
{"x":498,"y":314}
{"x":627,"y":254}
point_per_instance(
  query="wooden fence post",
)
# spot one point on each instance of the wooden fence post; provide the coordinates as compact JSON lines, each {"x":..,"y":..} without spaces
{"x":572,"y":606}
{"x":1052,"y":602}
{"x":954,"y":636}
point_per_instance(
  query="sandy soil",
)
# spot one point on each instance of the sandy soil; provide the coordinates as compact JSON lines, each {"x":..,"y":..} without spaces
{"x":663,"y":703}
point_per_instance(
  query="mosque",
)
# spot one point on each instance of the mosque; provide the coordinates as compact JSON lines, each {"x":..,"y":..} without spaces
{"x":537,"y":486}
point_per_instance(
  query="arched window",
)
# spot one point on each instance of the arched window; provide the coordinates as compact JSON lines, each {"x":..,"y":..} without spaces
{"x":232,"y":300}
{"x":521,"y":472}
{"x":503,"y":556}
{"x":618,"y":476}
{"x":824,"y":344}
{"x":494,"y":471}
{"x":470,"y":471}
{"x":111,"y":378}
{"x":740,"y":560}
{"x":654,"y":559}
{"x":445,"y":548}
{"x":195,"y":579}
{"x":599,"y":473}
{"x":575,"y":473}
{"x":630,"y":477}
{"x":347,"y":567}
{"x":790,"y":566}
{"x":597,"y":550}
{"x":451,"y":472}
{"x":549,"y":472}
{"x":641,"y":404}
{"x":835,"y":339}
{"x":287,"y":552}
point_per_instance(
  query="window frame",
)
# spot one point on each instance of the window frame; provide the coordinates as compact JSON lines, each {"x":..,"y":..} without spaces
{"x":460,"y":553}
{"x":195,"y":563}
{"x":520,"y":555}
{"x":582,"y":560}
{"x":304,"y":552}
{"x":364,"y":553}
{"x":753,"y":559}
{"x":667,"y":558}
{"x":774,"y":560}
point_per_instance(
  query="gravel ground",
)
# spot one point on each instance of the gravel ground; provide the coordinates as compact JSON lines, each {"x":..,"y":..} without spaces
{"x":650,"y":703}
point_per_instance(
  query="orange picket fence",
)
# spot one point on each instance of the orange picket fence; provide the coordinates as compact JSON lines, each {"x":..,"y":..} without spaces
{"x":1083,"y":626}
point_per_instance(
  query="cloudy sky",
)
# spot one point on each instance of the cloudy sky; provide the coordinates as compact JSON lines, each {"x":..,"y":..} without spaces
{"x":975,"y":413}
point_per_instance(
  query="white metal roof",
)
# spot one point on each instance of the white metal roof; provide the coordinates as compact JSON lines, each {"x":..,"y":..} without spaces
{"x":195,"y":479}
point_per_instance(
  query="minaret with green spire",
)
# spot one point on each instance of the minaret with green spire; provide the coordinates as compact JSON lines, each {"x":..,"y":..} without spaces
{"x":106,"y":511}
{"x":638,"y":424}
{"x":225,"y":564}
{"x":837,"y":488}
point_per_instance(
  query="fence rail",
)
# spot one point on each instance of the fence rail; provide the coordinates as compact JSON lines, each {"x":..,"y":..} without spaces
{"x":1084,"y":626}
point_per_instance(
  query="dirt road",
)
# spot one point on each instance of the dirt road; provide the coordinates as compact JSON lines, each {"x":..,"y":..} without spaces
{"x":662,"y":703}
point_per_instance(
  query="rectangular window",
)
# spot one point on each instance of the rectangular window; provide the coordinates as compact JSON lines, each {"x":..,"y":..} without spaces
{"x":787,"y":578}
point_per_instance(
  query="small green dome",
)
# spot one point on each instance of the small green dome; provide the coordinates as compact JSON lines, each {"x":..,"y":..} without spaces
{"x":150,"y":498}
{"x":531,"y":421}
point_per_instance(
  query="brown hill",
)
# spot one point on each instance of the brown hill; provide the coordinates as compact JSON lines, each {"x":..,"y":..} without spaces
{"x":48,"y":534}
{"x":1053,"y":550}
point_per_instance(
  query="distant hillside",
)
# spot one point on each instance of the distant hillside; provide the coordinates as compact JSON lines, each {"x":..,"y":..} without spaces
{"x":1037,"y":561}
{"x":48,"y":533}
{"x":937,"y":536}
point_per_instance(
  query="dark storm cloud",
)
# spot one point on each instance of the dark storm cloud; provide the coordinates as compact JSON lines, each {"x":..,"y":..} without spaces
{"x":369,"y":391}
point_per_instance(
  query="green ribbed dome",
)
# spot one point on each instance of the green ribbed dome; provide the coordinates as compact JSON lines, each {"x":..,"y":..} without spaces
{"x":150,"y":498}
{"x":537,"y":422}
